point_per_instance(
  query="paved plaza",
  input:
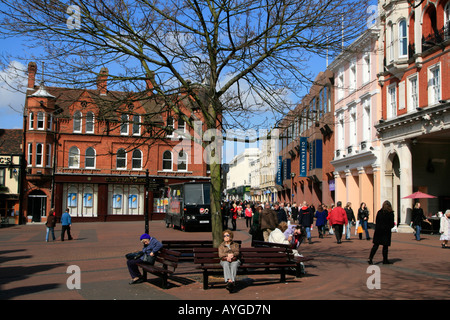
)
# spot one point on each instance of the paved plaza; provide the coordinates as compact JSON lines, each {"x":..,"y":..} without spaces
{"x":31,"y":269}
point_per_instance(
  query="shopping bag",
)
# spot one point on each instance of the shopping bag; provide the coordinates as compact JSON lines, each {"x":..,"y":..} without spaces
{"x":356,"y":227}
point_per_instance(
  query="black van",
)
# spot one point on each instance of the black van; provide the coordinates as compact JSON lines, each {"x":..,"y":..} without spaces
{"x":189,"y":206}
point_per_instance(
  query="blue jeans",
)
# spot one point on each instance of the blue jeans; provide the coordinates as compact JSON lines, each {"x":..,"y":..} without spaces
{"x":52,"y":230}
{"x":418,"y":228}
{"x":308,"y":232}
{"x":363,"y":224}
{"x":349,"y":227}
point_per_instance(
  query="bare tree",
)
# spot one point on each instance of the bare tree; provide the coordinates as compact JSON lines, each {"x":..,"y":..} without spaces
{"x":248,"y":55}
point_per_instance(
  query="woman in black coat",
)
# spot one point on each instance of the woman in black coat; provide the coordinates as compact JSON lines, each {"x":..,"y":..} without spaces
{"x":382,"y":235}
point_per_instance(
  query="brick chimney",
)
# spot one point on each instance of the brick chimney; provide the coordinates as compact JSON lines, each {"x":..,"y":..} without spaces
{"x":32,"y":69}
{"x":148,"y":81}
{"x":102,"y":81}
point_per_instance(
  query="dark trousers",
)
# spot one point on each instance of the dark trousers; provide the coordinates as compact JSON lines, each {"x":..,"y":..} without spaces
{"x":133,"y":268}
{"x":248,"y":222}
{"x":374,"y":250}
{"x":63,"y":231}
{"x":233,"y":223}
{"x":338,"y":228}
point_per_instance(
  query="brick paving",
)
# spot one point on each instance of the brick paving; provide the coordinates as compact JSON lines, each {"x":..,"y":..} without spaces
{"x":31,"y":269}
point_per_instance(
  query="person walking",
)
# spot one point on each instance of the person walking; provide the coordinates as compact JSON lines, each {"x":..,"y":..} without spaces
{"x":321,"y":220}
{"x":350,"y":218}
{"x":417,"y":218}
{"x":66,"y":223}
{"x":363,"y":218}
{"x":255,"y":229}
{"x":306,"y":219}
{"x":50,"y":224}
{"x":234,"y":215}
{"x":444,"y":229}
{"x":248,"y":216}
{"x":338,"y":218}
{"x":382,"y":235}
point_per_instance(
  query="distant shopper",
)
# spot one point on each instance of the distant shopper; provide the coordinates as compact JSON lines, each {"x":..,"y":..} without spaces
{"x":306,"y":219}
{"x":50,"y":224}
{"x":382,"y":236}
{"x":66,"y":223}
{"x":268,"y":221}
{"x":350,"y":220}
{"x":338,"y":219}
{"x":363,"y":218}
{"x":321,"y":219}
{"x":417,"y":218}
{"x":444,"y":229}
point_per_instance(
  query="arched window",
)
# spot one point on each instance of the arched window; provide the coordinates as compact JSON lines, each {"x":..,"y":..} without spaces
{"x":167,"y":161}
{"x":182,"y":161}
{"x":121,"y":159}
{"x":89,"y":158}
{"x":77,"y":121}
{"x":74,"y":157}
{"x":402,"y":39}
{"x":90,"y":122}
{"x":136,"y":159}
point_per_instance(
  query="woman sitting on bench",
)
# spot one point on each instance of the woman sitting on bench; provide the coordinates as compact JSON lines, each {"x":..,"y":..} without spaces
{"x":229,"y":254}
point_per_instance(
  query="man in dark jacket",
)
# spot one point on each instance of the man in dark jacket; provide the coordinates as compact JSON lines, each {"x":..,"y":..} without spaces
{"x":306,"y":219}
{"x":281,"y":213}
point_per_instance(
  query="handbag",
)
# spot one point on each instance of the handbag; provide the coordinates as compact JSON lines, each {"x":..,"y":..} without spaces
{"x":149,"y":259}
{"x":134,"y":255}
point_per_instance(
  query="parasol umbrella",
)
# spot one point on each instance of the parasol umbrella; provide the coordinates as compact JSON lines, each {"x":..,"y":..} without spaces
{"x":419,"y":195}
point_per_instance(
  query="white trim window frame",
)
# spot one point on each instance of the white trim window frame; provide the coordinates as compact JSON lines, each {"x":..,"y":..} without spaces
{"x":90,"y":158}
{"x":391,"y":105}
{"x":434,"y":84}
{"x":136,"y":160}
{"x":39,"y":154}
{"x":166,"y":160}
{"x":77,"y":122}
{"x":124,"y":123}
{"x":48,"y":155}
{"x":90,"y":120}
{"x":402,"y":39}
{"x":122,"y":158}
{"x":74,"y":158}
{"x":413,"y":92}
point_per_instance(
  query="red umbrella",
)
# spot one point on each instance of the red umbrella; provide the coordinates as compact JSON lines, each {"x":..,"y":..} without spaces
{"x":419,"y":195}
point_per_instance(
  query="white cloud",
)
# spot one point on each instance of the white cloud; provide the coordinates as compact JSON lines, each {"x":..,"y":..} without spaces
{"x":13,"y":82}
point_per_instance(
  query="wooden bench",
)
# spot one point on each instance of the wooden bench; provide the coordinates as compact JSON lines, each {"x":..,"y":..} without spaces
{"x":186,"y":247}
{"x":287,"y":247}
{"x":253,"y":261}
{"x":165,"y":265}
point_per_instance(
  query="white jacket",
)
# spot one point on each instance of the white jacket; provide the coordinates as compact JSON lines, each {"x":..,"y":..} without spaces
{"x":444,"y":225}
{"x":277,"y":236}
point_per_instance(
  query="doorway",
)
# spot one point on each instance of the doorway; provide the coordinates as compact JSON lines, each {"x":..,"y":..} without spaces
{"x":37,"y":203}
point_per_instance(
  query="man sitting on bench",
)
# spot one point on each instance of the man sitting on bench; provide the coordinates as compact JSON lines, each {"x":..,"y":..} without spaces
{"x":147,"y":255}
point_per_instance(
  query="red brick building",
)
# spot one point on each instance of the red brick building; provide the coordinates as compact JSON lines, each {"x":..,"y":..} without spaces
{"x":307,"y":147}
{"x":93,"y":150}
